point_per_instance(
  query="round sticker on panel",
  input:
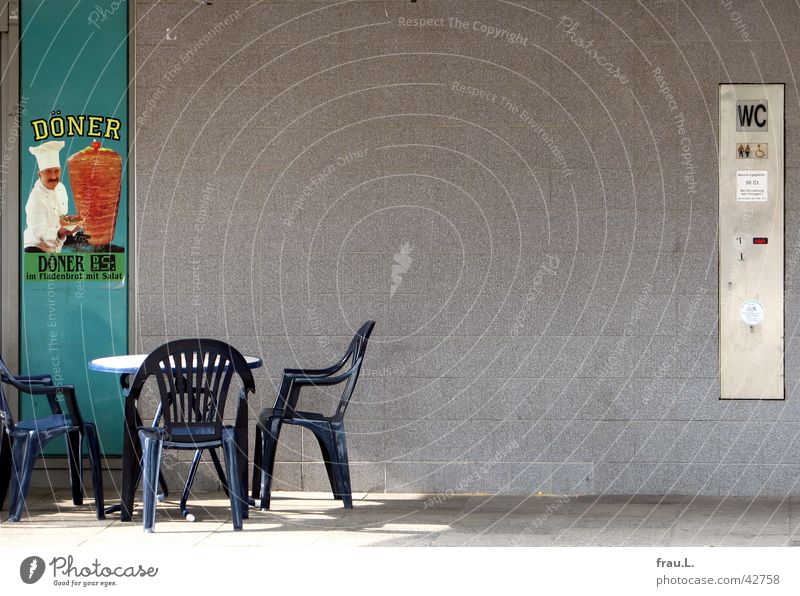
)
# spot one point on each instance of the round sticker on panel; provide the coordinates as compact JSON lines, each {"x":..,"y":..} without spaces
{"x":752,"y":312}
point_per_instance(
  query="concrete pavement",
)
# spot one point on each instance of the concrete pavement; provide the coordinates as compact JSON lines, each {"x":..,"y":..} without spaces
{"x":306,"y":519}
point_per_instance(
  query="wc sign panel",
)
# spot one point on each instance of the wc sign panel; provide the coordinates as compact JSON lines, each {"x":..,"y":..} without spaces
{"x":751,"y":115}
{"x":751,"y":241}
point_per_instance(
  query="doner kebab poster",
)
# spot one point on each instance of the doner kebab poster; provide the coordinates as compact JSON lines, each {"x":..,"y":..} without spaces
{"x":74,"y":203}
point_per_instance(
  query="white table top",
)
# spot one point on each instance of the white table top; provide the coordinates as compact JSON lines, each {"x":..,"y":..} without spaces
{"x":130,"y":363}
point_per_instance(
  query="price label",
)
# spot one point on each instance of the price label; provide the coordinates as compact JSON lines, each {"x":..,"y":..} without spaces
{"x":751,"y":185}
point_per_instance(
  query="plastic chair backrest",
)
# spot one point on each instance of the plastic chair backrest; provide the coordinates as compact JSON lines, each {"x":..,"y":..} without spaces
{"x":193,"y":378}
{"x":356,"y":350}
{"x":362,"y":337}
{"x":358,"y":344}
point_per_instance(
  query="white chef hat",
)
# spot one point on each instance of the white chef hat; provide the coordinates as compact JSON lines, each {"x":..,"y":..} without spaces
{"x":47,"y":154}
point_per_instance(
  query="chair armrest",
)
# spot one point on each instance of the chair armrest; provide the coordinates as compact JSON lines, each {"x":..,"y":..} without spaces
{"x":43,"y":379}
{"x":305,"y":380}
{"x":51,"y":391}
{"x":35,"y":387}
{"x":313,"y":372}
{"x":289,"y":392}
{"x":26,"y":380}
{"x":310,"y":372}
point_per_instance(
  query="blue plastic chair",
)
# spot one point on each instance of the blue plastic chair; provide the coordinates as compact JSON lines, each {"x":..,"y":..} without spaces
{"x":22,"y":441}
{"x":328,"y":430}
{"x":193,"y":378}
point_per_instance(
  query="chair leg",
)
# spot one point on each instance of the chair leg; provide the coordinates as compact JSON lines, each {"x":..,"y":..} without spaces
{"x":97,"y":469}
{"x":327,"y":458}
{"x":343,"y":465}
{"x":25,"y":451}
{"x":270,"y":446}
{"x":162,"y":482}
{"x":333,"y":445}
{"x":5,"y":464}
{"x":75,"y":459}
{"x":188,"y":486}
{"x":220,"y":471}
{"x":152,"y":447}
{"x":235,"y":489}
{"x":256,"y":490}
{"x":131,"y":463}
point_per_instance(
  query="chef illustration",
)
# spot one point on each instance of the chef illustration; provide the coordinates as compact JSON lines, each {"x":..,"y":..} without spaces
{"x":47,"y":202}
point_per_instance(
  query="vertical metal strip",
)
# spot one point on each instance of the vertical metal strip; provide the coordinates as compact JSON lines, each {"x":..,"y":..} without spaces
{"x":132,"y":131}
{"x":9,"y":243}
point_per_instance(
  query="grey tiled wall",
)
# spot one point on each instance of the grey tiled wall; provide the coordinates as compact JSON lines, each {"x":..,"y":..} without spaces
{"x":556,"y":327}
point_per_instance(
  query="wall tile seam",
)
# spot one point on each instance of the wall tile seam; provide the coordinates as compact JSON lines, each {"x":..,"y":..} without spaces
{"x":524,"y":420}
{"x":392,"y":46}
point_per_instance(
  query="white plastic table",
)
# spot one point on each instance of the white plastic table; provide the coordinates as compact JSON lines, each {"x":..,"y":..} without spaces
{"x":130,"y":363}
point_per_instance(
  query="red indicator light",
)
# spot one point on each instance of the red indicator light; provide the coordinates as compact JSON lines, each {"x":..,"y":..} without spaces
{"x":759,"y":240}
